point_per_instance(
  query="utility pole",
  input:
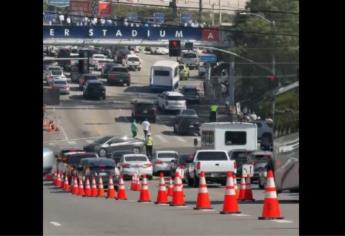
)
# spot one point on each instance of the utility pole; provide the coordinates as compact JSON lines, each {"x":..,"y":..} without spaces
{"x":220,"y":13}
{"x":231,"y":88}
{"x":213,"y":14}
{"x":200,"y":11}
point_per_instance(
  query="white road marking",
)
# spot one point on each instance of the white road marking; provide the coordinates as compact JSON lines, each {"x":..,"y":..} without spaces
{"x":206,"y":210}
{"x":88,"y":141}
{"x":180,"y":139}
{"x":55,"y":223}
{"x":283,"y":221}
{"x":63,"y":130}
{"x":160,"y":137}
{"x":240,"y":215}
{"x":72,"y":142}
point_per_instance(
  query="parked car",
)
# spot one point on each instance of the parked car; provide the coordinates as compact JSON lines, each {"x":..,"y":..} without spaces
{"x":190,"y":58}
{"x":147,"y":50}
{"x":52,"y":71}
{"x":116,"y":155}
{"x":261,"y":160}
{"x":106,"y":68}
{"x":61,"y":85}
{"x":86,"y":77}
{"x":162,"y":161}
{"x":48,"y":160}
{"x":265,"y":131}
{"x":104,"y":167}
{"x":161,"y":51}
{"x":72,"y":161}
{"x":109,"y":144}
{"x":241,"y":157}
{"x":171,"y":101}
{"x":133,"y":62}
{"x":95,"y":57}
{"x":99,"y":64}
{"x":135,"y":163}
{"x":55,"y":74}
{"x":119,"y":75}
{"x":184,"y":72}
{"x":183,"y":162}
{"x":144,"y":109}
{"x":191,"y":93}
{"x":94,"y":89}
{"x":186,"y":125}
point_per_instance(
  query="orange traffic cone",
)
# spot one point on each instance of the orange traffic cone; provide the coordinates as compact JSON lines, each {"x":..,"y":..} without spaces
{"x":61,"y":180}
{"x":178,"y":195}
{"x":135,"y":185}
{"x":162,"y":196}
{"x":55,"y":178}
{"x":144,"y":192}
{"x":100,"y":192}
{"x":94,"y":191}
{"x":242,"y":188}
{"x":87,"y":188}
{"x":230,"y":205}
{"x":66,"y":186}
{"x":271,"y":209}
{"x":248,"y":194}
{"x":121,"y":195}
{"x":75,"y":186}
{"x":58,"y":180}
{"x":81,"y":187}
{"x":111,"y":191}
{"x":236,"y":187}
{"x":203,"y":200}
{"x":170,"y":187}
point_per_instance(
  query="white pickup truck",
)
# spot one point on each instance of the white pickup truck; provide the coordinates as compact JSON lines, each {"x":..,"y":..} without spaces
{"x":214,"y":163}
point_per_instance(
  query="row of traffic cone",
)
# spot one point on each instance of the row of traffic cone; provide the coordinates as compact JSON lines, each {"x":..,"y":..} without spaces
{"x":271,"y":209}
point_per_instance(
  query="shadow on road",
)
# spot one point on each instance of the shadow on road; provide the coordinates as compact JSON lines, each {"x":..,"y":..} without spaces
{"x":141,"y":89}
{"x":168,"y":132}
{"x":124,"y":119}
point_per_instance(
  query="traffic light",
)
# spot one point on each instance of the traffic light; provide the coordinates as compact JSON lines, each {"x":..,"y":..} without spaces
{"x":174,"y":48}
{"x":83,"y":65}
{"x":188,"y":46}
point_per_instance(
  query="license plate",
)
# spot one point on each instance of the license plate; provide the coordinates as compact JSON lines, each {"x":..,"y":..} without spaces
{"x":191,"y":126}
{"x":145,"y":111}
{"x":102,"y":174}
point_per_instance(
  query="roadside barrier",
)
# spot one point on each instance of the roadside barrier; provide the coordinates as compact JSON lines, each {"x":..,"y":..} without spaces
{"x":144,"y":192}
{"x":203,"y":200}
{"x":162,"y":195}
{"x":230,"y":205}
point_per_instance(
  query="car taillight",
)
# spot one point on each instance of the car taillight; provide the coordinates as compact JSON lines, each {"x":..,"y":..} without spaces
{"x":158,"y":162}
{"x":148,"y":165}
{"x":198,"y":165}
{"x":125,"y":165}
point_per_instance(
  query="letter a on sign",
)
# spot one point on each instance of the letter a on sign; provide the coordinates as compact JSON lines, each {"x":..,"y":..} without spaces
{"x":210,"y":34}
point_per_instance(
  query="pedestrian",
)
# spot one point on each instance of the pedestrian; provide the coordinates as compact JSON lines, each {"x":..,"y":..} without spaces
{"x":134,"y":128}
{"x":149,"y":145}
{"x":146,"y":127}
{"x":213,"y":112}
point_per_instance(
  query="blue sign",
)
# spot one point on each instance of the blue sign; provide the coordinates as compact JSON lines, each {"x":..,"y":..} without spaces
{"x":159,"y":17}
{"x":208,"y":58}
{"x":58,"y":3}
{"x":186,"y":17}
{"x":123,"y":32}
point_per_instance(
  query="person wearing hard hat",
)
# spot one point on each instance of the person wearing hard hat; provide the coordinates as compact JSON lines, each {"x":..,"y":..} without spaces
{"x":213,"y":112}
{"x":149,"y":145}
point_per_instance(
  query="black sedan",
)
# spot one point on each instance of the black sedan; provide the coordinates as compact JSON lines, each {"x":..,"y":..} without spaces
{"x":108,"y":144}
{"x":187,"y":125}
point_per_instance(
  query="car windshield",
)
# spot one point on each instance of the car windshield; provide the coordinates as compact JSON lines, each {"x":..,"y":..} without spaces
{"x":261,"y":158}
{"x":186,"y":159}
{"x":189,"y":120}
{"x":135,"y":158}
{"x":60,"y":82}
{"x":189,"y":55}
{"x":56,"y":72}
{"x":176,"y":98}
{"x":188,"y":112}
{"x":212,"y":156}
{"x":90,"y":77}
{"x":103,"y":140}
{"x":133,"y":59}
{"x":161,"y":73}
{"x":167,"y":155}
{"x":240,"y":157}
{"x":95,"y":85}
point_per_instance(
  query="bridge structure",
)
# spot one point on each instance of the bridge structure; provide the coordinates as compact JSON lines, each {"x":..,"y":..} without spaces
{"x":132,"y":36}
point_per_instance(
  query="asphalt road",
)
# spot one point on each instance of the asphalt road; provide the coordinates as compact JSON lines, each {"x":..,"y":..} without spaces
{"x":66,"y":214}
{"x":82,"y":121}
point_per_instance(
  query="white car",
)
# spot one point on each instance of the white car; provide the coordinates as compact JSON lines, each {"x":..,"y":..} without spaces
{"x":172,"y":101}
{"x":60,"y":84}
{"x":55,"y":74}
{"x":162,"y":161}
{"x":190,"y":58}
{"x":96,"y":57}
{"x":131,"y":164}
{"x":133,"y":62}
{"x":162,"y":51}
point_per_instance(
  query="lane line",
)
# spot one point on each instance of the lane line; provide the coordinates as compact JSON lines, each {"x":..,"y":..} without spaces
{"x":55,"y":223}
{"x":283,"y":221}
{"x":88,"y":141}
{"x":160,"y":137}
{"x":72,"y":142}
{"x":240,"y":215}
{"x":180,"y":139}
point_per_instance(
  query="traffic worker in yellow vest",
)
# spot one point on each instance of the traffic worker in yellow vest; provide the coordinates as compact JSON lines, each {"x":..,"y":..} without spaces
{"x":149,"y":145}
{"x":213,"y":113}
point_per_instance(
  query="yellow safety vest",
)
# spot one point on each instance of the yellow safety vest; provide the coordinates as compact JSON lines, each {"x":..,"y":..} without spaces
{"x":149,"y":141}
{"x":214,"y":108}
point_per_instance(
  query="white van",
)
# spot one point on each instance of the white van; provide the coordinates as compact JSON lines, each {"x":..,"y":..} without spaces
{"x":164,"y":76}
{"x":229,"y":136}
